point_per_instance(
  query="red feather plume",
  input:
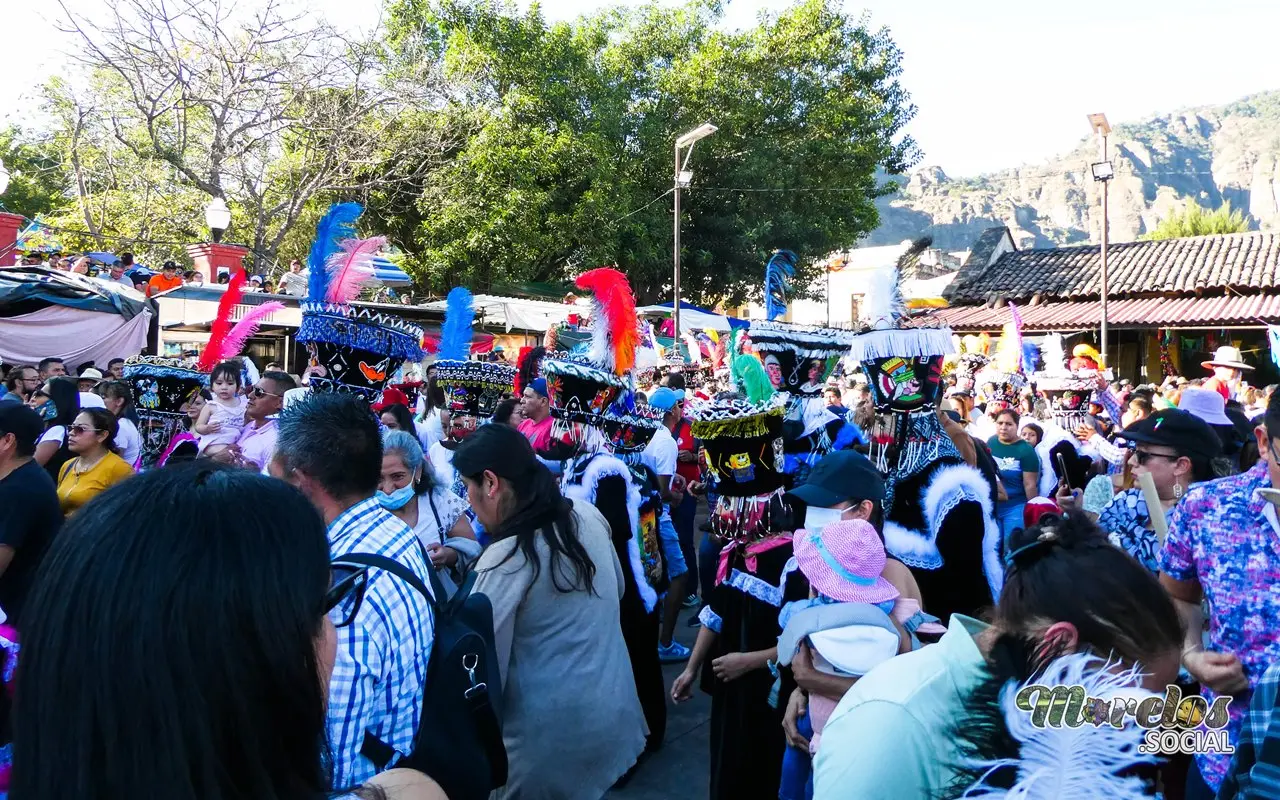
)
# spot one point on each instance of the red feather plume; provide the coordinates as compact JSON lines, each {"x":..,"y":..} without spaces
{"x":222,"y":322}
{"x":613,"y":318}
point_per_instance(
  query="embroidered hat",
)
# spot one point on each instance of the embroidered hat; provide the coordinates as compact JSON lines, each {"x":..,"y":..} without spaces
{"x":844,"y":561}
{"x":162,"y":389}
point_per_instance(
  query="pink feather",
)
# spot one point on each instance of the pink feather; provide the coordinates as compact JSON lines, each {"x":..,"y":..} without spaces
{"x":351,"y":267}
{"x":245,"y":329}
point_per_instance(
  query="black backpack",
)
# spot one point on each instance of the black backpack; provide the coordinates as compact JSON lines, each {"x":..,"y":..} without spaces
{"x":459,"y":740}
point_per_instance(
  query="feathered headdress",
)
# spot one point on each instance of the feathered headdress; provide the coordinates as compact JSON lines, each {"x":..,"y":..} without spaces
{"x":455,"y":334}
{"x":337,"y":224}
{"x":753,"y":379}
{"x":1009,"y":348}
{"x":883,"y":307}
{"x":1060,"y":762}
{"x":1053,"y":357}
{"x":213,"y":351}
{"x":777,"y":283}
{"x":350,"y":267}
{"x":530,"y":366}
{"x":613,"y":319}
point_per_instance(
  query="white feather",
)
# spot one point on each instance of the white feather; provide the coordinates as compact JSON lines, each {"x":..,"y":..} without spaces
{"x":601,"y":353}
{"x":1065,"y":763}
{"x":1052,"y":355}
{"x":882,"y":306}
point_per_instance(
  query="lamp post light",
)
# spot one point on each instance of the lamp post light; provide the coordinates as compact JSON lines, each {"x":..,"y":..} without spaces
{"x":1103,"y":171}
{"x":682,"y":179}
{"x":218,"y":217}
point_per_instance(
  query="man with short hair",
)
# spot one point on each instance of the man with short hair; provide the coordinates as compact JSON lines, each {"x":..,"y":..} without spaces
{"x":257,"y":440}
{"x":1222,"y":545}
{"x":29,"y":512}
{"x":294,"y":282}
{"x":329,"y":448}
{"x":116,"y":273}
{"x":536,"y":425}
{"x":51,"y":368}
{"x":115,"y":369}
{"x":662,"y":455}
{"x":21,"y":381}
{"x":168,"y":279}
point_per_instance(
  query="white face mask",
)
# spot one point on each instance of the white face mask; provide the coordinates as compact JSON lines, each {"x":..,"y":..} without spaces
{"x":815,"y":519}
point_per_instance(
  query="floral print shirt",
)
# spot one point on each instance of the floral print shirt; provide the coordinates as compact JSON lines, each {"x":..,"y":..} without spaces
{"x":1126,"y":520}
{"x":1219,"y":536}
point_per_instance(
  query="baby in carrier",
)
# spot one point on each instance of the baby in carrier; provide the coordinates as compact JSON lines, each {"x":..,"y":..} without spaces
{"x":853,"y":620}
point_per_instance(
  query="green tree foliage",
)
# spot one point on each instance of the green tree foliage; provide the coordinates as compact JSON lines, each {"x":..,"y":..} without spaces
{"x":1195,"y":220}
{"x":565,"y":158}
{"x":36,"y":179}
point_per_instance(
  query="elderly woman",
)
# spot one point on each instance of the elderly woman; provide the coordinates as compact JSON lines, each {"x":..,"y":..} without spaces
{"x":438,"y":516}
{"x":572,"y":723}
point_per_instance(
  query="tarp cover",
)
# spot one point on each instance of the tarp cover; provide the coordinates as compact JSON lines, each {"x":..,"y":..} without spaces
{"x":27,"y":289}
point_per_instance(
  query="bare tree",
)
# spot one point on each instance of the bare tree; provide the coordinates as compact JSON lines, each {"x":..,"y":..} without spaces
{"x":262,"y":107}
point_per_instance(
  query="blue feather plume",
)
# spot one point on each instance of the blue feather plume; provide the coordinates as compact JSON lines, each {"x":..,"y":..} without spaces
{"x":338,"y":223}
{"x":777,"y":282}
{"x":455,"y":334}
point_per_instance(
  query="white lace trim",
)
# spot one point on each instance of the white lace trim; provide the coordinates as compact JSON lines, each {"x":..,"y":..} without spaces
{"x":710,"y":619}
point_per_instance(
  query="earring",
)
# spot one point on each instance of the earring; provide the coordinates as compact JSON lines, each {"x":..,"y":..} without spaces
{"x":1177,"y":491}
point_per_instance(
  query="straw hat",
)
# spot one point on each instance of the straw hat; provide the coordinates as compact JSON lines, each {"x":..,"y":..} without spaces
{"x":1226,"y":356}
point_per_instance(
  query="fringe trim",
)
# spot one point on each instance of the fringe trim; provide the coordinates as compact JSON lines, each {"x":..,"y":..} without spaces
{"x":602,"y":466}
{"x":901,"y":342}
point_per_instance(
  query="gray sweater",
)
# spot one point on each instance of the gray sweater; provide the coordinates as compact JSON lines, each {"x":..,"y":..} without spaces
{"x":572,"y":723}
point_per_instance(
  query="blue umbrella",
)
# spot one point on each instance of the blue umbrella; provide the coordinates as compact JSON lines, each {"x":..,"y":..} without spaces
{"x":105,"y":258}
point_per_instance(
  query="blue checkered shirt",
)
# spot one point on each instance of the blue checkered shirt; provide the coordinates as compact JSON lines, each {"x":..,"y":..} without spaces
{"x":1253,"y":773}
{"x":382,"y":655}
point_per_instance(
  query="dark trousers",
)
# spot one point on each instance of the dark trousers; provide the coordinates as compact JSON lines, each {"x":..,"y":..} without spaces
{"x":1197,"y":789}
{"x":682,"y":517}
{"x":708,"y":562}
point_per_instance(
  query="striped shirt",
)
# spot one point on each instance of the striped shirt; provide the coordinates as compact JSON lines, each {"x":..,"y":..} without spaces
{"x":382,"y":655}
{"x":1255,"y":771}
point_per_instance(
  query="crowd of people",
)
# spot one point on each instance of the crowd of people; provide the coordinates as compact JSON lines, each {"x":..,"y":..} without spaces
{"x":225,"y":581}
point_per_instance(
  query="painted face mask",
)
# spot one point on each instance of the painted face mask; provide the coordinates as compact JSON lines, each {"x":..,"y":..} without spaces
{"x":397,"y":499}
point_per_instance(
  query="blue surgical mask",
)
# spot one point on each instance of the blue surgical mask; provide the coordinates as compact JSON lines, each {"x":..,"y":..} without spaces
{"x":397,"y":499}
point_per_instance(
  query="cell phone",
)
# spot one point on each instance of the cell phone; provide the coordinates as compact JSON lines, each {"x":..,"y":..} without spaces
{"x":1062,"y":468}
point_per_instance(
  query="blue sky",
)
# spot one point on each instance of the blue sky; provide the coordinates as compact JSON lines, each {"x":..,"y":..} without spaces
{"x":998,"y":83}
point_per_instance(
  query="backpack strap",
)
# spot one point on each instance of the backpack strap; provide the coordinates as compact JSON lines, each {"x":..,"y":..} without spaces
{"x":402,"y":572}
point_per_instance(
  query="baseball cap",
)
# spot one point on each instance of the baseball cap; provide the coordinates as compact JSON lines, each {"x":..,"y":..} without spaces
{"x":839,"y":476}
{"x":1177,"y":429}
{"x":23,"y":422}
{"x":664,"y":398}
{"x":168,"y":265}
{"x":539,"y":386}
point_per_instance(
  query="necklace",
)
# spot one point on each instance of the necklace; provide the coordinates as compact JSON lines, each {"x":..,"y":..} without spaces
{"x":81,"y":469}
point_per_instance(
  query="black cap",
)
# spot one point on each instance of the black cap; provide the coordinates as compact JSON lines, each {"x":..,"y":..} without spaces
{"x":24,"y":423}
{"x":839,"y":476}
{"x":169,"y":265}
{"x":1178,"y":429}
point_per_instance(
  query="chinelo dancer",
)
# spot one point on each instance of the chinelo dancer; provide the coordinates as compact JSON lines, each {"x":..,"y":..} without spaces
{"x":743,"y":450}
{"x":939,"y":519}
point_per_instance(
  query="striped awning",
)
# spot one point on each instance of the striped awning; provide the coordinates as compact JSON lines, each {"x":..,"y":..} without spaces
{"x":388,"y":274}
{"x":1147,"y":312}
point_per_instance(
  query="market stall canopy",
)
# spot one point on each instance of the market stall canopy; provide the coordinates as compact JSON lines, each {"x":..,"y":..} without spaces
{"x":927,"y":292}
{"x":38,"y":238}
{"x":514,"y":313}
{"x":49,"y":313}
{"x":693,"y":318}
{"x":388,"y":274}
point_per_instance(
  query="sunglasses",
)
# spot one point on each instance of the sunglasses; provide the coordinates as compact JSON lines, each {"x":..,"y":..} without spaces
{"x":258,"y":391}
{"x":81,"y":429}
{"x":347,"y":583}
{"x":1144,"y":456}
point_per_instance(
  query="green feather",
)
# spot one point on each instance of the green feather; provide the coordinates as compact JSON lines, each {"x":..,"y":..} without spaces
{"x":735,"y":377}
{"x":754,"y":379}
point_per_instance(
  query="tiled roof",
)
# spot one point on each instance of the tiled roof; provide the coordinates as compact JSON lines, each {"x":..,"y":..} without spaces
{"x":1247,"y":261}
{"x":1140,"y":312}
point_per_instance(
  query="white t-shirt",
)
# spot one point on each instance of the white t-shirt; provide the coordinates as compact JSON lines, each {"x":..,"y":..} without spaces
{"x":57,"y":433}
{"x":429,"y":431}
{"x":661,"y":453}
{"x":129,"y":440}
{"x":441,"y":459}
{"x":448,"y":506}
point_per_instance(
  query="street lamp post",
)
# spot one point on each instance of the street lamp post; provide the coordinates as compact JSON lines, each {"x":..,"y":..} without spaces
{"x":1103,"y":171}
{"x":681,"y":180}
{"x":218,"y":217}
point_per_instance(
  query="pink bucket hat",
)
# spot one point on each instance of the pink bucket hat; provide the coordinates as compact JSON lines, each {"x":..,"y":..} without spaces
{"x":844,"y":560}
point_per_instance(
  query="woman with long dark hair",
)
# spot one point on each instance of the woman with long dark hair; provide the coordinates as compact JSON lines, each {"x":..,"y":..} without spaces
{"x":59,"y":407}
{"x":201,"y":591}
{"x":396,"y":417}
{"x":572,"y":723}
{"x":118,"y":397}
{"x":97,"y":465}
{"x":919,"y":724}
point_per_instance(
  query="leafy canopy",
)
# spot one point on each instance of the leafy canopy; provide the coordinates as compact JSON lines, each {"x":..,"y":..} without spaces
{"x":565,"y":161}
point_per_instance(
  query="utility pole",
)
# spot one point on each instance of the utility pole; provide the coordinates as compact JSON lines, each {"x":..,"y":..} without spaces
{"x":1103,"y":172}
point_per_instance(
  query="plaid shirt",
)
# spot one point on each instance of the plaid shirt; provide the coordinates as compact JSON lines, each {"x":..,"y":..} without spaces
{"x":382,"y":655}
{"x":1255,"y":770}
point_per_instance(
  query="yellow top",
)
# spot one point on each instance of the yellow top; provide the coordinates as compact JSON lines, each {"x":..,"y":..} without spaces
{"x":77,"y":488}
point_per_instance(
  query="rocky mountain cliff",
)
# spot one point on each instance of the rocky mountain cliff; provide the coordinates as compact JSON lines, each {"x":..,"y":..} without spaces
{"x":1213,"y":155}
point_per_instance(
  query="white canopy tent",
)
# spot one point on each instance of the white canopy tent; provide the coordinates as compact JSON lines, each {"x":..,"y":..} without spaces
{"x":692,"y":318}
{"x":515,"y":313}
